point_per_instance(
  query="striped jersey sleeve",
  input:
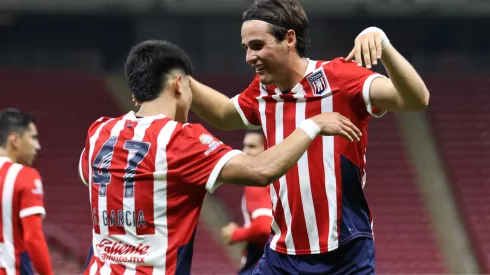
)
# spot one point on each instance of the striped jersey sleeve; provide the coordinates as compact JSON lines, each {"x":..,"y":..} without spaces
{"x":247,"y":105}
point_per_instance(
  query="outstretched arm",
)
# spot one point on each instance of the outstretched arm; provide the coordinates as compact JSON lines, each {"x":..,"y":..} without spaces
{"x":404,"y":89}
{"x":272,"y":164}
{"x":215,"y":108}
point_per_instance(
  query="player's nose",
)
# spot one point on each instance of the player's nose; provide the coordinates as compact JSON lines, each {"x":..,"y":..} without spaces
{"x":250,"y":57}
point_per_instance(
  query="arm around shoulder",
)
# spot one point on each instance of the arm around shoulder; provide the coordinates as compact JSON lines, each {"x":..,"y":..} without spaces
{"x":215,"y":108}
{"x":270,"y":165}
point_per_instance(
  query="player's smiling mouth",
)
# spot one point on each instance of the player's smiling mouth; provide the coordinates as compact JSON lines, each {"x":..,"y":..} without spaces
{"x":259,"y":68}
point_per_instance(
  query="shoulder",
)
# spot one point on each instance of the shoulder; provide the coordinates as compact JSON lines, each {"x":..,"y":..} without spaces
{"x":254,"y":86}
{"x":27,"y":176}
{"x":337,"y":64}
{"x":96,"y":125}
{"x":193,"y":133}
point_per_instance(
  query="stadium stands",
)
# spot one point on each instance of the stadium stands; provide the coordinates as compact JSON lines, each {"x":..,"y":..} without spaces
{"x":461,"y":122}
{"x":405,"y":241}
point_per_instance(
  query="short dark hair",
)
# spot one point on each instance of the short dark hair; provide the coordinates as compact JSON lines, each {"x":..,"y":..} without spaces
{"x":254,"y":131}
{"x":283,"y":15}
{"x":13,"y":120}
{"x":149,"y":63}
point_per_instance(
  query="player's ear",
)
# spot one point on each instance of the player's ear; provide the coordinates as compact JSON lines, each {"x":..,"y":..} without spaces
{"x":291,"y":39}
{"x":178,"y":84}
{"x":15,"y":139}
{"x":136,"y":103}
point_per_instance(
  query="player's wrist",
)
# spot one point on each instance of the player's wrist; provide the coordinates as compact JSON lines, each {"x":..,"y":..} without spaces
{"x":310,"y":127}
{"x":384,"y":38}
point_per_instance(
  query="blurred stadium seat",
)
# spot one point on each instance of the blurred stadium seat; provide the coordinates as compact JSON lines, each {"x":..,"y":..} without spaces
{"x":461,"y":121}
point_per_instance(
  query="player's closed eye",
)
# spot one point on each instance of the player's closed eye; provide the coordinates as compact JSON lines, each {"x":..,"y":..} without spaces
{"x":256,"y":46}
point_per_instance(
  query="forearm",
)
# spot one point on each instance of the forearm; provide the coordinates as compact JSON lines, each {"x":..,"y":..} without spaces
{"x":36,"y":245}
{"x":405,"y":79}
{"x":214,"y":107}
{"x":268,"y":166}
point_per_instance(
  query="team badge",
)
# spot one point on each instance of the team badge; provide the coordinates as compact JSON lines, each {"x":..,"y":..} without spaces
{"x":318,"y":82}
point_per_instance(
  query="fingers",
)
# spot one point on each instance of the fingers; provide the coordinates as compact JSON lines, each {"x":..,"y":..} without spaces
{"x":351,"y":131}
{"x":357,"y":52}
{"x":350,"y":57}
{"x":346,"y":135}
{"x":379,"y":48}
{"x":365,"y":52}
{"x":348,"y":129}
{"x":367,"y":49}
{"x":351,"y":125}
{"x":372,"y":50}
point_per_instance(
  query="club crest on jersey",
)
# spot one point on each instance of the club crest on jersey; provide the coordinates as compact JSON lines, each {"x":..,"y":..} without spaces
{"x":210,"y":142}
{"x":318,"y":82}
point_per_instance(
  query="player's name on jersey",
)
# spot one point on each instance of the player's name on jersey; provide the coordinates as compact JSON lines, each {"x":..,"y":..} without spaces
{"x":120,"y":218}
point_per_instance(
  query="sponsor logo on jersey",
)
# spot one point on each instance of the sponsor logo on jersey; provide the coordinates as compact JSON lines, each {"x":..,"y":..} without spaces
{"x":122,"y":252}
{"x":210,"y":142}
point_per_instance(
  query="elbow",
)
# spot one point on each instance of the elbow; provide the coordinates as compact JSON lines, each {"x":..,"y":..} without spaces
{"x":264,"y":176}
{"x":420,"y":103}
{"x":264,"y":180}
{"x":424,"y":102}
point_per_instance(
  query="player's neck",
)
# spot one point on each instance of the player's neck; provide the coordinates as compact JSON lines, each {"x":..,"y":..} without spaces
{"x":297,"y":69}
{"x":5,"y":153}
{"x":158,"y":106}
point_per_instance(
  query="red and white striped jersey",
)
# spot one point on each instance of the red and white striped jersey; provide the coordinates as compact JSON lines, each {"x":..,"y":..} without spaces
{"x":147,"y":179}
{"x":21,"y":191}
{"x":319,"y":204}
{"x":256,"y":202}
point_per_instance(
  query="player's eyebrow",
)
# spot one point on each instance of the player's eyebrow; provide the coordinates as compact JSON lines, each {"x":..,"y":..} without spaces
{"x":252,"y":42}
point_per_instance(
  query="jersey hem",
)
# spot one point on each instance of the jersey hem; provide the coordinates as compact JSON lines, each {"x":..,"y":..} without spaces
{"x":324,"y":250}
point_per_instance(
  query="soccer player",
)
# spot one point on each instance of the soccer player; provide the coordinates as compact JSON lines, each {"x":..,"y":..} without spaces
{"x":321,"y":222}
{"x":257,"y":213}
{"x":21,"y":232}
{"x":148,"y":171}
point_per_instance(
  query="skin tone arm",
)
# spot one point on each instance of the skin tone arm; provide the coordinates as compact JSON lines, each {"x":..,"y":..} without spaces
{"x":272,"y":164}
{"x":215,"y":108}
{"x":404,"y":90}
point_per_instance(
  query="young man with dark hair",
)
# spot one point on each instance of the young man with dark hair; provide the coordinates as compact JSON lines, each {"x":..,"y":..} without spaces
{"x":257,"y":213}
{"x":21,"y":235}
{"x":148,"y":172}
{"x":321,"y":222}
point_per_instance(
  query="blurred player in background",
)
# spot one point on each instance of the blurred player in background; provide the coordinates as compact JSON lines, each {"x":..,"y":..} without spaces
{"x":257,"y":213}
{"x":148,"y":172}
{"x":22,"y":237}
{"x":322,"y":223}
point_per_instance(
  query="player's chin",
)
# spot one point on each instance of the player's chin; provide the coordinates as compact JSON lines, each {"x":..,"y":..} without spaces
{"x":265,"y":79}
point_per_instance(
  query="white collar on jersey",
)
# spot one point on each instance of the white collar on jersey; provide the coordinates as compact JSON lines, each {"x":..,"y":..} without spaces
{"x":5,"y":159}
{"x":298,"y":87}
{"x":132,"y":116}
